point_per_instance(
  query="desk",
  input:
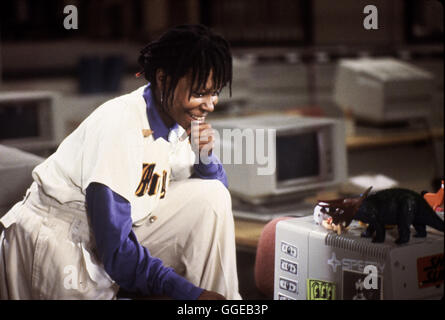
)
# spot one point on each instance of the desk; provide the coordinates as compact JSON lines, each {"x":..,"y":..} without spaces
{"x":248,"y":232}
{"x":360,"y":141}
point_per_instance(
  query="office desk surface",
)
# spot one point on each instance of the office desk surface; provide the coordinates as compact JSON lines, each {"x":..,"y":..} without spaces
{"x":248,"y":232}
{"x":373,"y":139}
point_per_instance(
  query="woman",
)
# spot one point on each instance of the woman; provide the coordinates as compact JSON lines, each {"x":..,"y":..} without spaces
{"x":122,"y":203}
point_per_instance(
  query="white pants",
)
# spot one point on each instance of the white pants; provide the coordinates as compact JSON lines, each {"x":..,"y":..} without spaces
{"x":47,"y":250}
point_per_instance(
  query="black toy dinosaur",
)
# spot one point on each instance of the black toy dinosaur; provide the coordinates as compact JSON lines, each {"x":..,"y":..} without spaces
{"x":401,"y":207}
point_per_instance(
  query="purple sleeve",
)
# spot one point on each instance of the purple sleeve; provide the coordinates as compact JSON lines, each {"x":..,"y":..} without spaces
{"x":125,"y":260}
{"x":212,"y":170}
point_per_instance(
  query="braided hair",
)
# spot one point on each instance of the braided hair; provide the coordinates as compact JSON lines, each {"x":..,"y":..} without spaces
{"x":184,"y":49}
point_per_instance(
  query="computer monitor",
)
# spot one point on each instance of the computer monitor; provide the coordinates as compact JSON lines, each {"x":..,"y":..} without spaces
{"x":272,"y":157}
{"x":27,"y":122}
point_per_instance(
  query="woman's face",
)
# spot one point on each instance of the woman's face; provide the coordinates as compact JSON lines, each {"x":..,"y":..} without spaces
{"x":201,"y":103}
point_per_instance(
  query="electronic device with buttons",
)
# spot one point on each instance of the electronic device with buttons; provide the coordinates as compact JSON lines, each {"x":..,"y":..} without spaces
{"x":312,"y":263}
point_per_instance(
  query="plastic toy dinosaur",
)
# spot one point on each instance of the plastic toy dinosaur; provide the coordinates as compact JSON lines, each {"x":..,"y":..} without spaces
{"x":401,"y":207}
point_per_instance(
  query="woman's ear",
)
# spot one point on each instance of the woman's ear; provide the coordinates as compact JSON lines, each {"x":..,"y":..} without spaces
{"x":160,"y":78}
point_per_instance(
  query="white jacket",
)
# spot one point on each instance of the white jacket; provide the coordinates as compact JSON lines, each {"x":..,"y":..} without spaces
{"x":109,"y":147}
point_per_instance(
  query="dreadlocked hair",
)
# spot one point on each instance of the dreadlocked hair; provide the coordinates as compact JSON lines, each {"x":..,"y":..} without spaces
{"x":184,"y":49}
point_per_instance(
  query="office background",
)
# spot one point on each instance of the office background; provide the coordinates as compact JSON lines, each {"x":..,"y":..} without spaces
{"x":286,"y":57}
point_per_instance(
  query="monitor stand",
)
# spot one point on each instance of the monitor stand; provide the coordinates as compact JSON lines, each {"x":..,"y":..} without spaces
{"x":266,"y":212}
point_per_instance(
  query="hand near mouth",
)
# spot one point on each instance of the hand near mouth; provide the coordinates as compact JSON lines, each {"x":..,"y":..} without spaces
{"x":202,"y":137}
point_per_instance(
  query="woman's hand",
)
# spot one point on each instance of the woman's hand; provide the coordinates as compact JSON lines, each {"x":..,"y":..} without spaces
{"x":210,"y":295}
{"x":202,"y":137}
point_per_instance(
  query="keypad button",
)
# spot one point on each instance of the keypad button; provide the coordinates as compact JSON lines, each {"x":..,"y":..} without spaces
{"x":288,"y":266}
{"x":283,"y":297}
{"x":288,"y":285}
{"x":289,"y":249}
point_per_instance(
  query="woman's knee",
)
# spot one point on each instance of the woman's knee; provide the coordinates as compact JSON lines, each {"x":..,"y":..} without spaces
{"x":200,"y":196}
{"x":216,"y":195}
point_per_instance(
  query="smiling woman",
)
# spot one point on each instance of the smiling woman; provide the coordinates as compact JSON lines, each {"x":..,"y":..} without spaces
{"x":188,"y":104}
{"x":188,"y":66}
{"x":192,"y":51}
{"x":122,"y":203}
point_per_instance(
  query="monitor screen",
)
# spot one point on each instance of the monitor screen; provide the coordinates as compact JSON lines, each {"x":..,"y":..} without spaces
{"x":297,"y":156}
{"x":19,"y":120}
